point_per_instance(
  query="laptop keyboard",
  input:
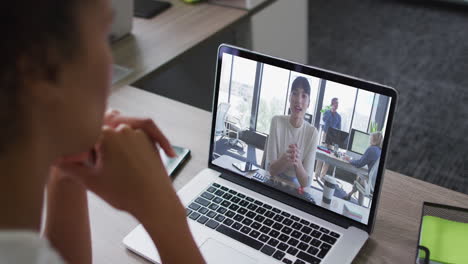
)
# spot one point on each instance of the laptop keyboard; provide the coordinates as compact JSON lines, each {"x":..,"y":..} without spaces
{"x":274,"y":232}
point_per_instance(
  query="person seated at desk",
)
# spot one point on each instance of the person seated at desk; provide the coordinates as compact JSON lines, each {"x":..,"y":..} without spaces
{"x":369,"y":158}
{"x":292,"y":143}
{"x":332,"y":119}
{"x":54,"y":82}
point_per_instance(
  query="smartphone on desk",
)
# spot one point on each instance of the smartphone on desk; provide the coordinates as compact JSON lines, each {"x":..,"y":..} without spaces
{"x":172,"y":164}
{"x":149,"y":8}
{"x":245,"y":166}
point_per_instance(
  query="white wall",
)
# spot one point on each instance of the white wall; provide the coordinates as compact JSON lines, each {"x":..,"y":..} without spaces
{"x":280,"y":30}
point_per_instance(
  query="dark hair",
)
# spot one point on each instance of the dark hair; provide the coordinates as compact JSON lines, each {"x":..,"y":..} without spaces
{"x":37,"y":37}
{"x":301,"y":82}
{"x":333,"y":99}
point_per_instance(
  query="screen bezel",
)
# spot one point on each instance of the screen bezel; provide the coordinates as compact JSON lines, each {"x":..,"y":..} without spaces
{"x":323,"y":74}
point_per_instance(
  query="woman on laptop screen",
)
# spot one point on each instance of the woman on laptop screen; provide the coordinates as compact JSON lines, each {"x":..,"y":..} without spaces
{"x":54,"y":82}
{"x":292,"y":142}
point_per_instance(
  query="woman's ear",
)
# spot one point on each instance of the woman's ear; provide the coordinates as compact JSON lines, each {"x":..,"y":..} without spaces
{"x":40,"y":86}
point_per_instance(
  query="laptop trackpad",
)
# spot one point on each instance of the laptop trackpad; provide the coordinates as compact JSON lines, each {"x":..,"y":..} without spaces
{"x":216,"y":252}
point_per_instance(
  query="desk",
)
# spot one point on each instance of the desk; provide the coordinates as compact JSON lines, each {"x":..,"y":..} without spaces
{"x":338,"y":162}
{"x":396,"y":230}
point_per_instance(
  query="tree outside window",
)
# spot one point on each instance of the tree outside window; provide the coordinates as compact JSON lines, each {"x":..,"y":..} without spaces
{"x":242,"y":86}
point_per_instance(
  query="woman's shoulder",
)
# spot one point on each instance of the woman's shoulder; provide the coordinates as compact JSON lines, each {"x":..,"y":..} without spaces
{"x":280,"y":119}
{"x":378,"y":149}
{"x":310,"y":129}
{"x":374,"y":150}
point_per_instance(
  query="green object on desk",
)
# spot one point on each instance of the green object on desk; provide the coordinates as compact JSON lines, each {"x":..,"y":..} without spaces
{"x":446,"y":240}
{"x":191,"y":1}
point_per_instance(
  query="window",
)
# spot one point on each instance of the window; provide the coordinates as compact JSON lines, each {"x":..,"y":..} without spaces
{"x":242,"y":86}
{"x":386,"y":116}
{"x":363,"y":110}
{"x":314,"y":88}
{"x":273,"y":89}
{"x":225,"y":79}
{"x":346,"y":96}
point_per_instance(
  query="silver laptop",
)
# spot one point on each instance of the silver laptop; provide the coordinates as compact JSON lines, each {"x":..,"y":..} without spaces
{"x":237,"y":211}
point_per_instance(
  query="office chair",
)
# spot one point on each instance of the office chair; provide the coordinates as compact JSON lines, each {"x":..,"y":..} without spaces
{"x":220,"y":127}
{"x":367,"y":189}
{"x":227,"y":125}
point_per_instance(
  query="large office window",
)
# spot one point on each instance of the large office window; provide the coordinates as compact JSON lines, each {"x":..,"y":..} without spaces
{"x":225,"y":79}
{"x":242,"y":86}
{"x":346,"y":97}
{"x":314,"y":88}
{"x":362,"y":112}
{"x":274,"y":86}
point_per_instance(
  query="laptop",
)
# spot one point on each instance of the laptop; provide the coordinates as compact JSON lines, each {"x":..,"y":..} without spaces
{"x":248,"y":216}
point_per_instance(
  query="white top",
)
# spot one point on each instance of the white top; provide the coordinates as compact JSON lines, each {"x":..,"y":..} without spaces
{"x":26,"y":247}
{"x":283,"y":134}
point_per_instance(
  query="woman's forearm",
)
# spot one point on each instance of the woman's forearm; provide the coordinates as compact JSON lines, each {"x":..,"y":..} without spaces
{"x":302,"y":176}
{"x":67,"y":223}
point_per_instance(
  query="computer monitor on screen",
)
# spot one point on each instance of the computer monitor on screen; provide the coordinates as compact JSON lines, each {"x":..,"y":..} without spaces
{"x":359,"y":141}
{"x":336,"y":136}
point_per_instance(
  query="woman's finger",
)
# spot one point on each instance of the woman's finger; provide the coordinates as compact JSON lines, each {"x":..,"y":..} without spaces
{"x":110,"y":114}
{"x":146,"y":125}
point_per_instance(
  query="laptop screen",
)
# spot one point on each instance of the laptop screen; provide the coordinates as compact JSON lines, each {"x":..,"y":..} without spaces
{"x":289,"y":126}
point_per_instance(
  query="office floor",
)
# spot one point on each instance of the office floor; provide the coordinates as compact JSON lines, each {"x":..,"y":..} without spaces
{"x":422,"y":51}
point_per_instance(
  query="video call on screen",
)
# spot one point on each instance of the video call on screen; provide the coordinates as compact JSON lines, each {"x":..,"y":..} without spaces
{"x":312,"y":138}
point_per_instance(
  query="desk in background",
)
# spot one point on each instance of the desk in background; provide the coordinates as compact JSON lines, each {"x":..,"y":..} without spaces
{"x":339,"y":162}
{"x":155,"y":42}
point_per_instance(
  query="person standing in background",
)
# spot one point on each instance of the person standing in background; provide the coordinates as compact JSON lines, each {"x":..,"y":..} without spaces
{"x":332,"y":119}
